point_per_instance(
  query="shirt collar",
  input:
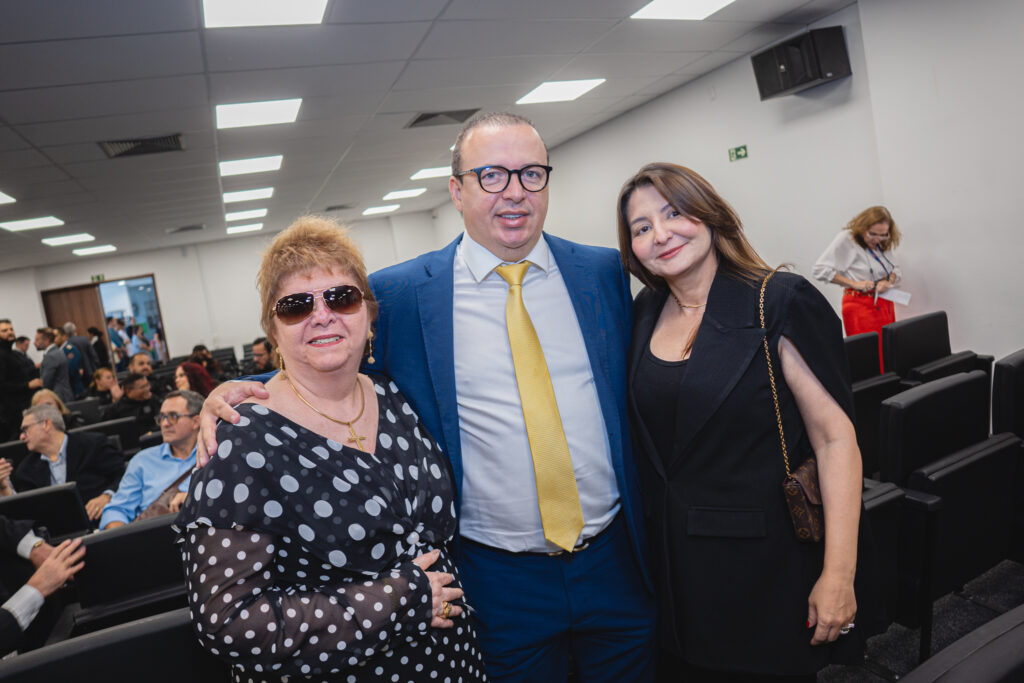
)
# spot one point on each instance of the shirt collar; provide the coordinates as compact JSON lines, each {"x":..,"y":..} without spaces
{"x":165,"y":452}
{"x":481,"y":261}
{"x":62,"y":454}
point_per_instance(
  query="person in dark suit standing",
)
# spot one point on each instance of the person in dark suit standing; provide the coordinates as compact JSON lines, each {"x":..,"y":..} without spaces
{"x":741,"y":598}
{"x":85,"y":458}
{"x":89,"y":359}
{"x":16,"y":385}
{"x":506,"y":334}
{"x":53,"y":369}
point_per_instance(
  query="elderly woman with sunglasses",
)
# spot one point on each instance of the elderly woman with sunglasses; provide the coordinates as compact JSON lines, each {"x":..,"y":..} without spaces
{"x":315,"y":541}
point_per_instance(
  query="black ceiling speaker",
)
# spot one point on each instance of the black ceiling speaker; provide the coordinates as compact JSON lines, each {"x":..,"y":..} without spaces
{"x":810,"y":59}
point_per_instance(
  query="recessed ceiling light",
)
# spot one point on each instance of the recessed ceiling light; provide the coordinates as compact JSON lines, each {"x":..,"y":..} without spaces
{"x":559,"y":91}
{"x":692,"y":10}
{"x":404,"y":194}
{"x":257,"y":113}
{"x":247,"y":195}
{"x":435,"y":172}
{"x":224,"y":13}
{"x":68,"y":239}
{"x":381,"y":209}
{"x":252,"y":227}
{"x":32,"y":223}
{"x":6,"y":199}
{"x":253,"y":165}
{"x":245,"y":215}
{"x":88,"y":251}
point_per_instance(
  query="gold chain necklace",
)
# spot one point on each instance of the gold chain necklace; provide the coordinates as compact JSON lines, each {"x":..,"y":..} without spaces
{"x":348,"y":423}
{"x":682,"y":305}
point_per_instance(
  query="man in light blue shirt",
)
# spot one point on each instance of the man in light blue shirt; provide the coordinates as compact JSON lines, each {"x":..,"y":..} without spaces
{"x":153,"y":470}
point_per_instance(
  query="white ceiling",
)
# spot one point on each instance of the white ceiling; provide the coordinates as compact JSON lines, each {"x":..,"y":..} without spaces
{"x":74,"y":73}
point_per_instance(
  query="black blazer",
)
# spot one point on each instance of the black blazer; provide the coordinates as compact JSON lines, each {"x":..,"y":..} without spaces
{"x":731,"y":579}
{"x":93,"y":464}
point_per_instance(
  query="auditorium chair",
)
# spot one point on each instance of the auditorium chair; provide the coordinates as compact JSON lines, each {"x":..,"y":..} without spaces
{"x":14,"y":451}
{"x":88,"y":408}
{"x":124,"y":427}
{"x":57,"y":508}
{"x":991,"y":653}
{"x":156,"y":649}
{"x":917,"y":349}
{"x":130,"y":572}
{"x":869,"y":390}
{"x":1008,"y":395}
{"x":151,"y":439}
{"x":930,"y":421}
{"x":227,"y":360}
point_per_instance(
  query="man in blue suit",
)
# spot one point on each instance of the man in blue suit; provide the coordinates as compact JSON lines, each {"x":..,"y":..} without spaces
{"x":441,"y":333}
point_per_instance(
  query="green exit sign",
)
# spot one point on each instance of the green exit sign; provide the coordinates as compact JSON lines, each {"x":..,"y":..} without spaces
{"x":97,"y":278}
{"x":737,"y":153}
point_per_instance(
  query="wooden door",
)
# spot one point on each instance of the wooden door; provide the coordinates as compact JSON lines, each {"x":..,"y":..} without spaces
{"x":80,"y":305}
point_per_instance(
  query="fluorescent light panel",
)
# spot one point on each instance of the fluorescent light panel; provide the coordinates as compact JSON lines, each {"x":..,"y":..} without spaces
{"x":253,"y":165}
{"x":559,"y":91}
{"x":245,"y":215}
{"x":435,"y":172}
{"x":691,"y":10}
{"x":251,"y":227}
{"x":404,"y":194}
{"x":68,"y":239}
{"x":225,"y":13}
{"x":88,"y":251}
{"x":248,"y":195}
{"x":6,"y":199}
{"x":257,"y":113}
{"x":32,"y":223}
{"x":373,"y":210}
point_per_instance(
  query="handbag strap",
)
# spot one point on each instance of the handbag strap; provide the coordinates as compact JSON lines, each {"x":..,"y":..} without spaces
{"x":771,"y":376}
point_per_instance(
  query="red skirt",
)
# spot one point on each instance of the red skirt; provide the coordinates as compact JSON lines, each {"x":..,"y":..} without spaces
{"x":861,"y":314}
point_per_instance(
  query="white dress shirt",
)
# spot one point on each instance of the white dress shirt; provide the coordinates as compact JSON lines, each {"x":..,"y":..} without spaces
{"x":499,"y":490}
{"x":849,"y":259}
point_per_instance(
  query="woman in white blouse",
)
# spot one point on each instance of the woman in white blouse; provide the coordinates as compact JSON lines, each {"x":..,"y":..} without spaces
{"x":860,"y":261}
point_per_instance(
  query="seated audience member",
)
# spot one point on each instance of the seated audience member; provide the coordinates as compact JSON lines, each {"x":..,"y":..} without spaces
{"x":53,"y":568}
{"x":21,"y":345}
{"x":262,"y":357}
{"x":137,"y":401}
{"x":192,"y":376}
{"x":76,"y":364}
{"x":105,"y":387}
{"x":202,"y":356}
{"x":89,"y":359}
{"x":84,"y":458}
{"x":71,"y":420}
{"x":53,"y":369}
{"x":154,"y":471}
{"x":142,"y":364}
{"x":99,"y":347}
{"x":15,"y":385}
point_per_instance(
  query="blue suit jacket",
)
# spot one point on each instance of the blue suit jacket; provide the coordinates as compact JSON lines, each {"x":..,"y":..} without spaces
{"x":414,"y":345}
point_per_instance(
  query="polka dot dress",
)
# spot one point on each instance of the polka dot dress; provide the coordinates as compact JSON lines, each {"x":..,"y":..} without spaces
{"x":298,"y":553}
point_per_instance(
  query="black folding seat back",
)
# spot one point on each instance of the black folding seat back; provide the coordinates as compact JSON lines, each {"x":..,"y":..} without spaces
{"x":925,"y":423}
{"x":124,"y":427}
{"x":88,"y":408}
{"x":964,"y":361}
{"x":915,"y":341}
{"x":13,"y":451}
{"x":862,"y":354}
{"x":868,"y":395}
{"x":58,"y":508}
{"x":1008,"y":395}
{"x":883,"y":511}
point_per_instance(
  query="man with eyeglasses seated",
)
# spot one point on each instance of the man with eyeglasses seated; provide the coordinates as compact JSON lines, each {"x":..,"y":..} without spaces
{"x":160,"y":473}
{"x":85,"y":458}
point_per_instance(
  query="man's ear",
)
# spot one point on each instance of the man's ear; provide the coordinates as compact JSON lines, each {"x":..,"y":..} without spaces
{"x":455,"y":190}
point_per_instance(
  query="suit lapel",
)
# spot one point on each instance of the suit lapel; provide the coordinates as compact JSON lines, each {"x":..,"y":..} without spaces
{"x":584,"y":293}
{"x":729,"y":337}
{"x":643,"y":327}
{"x":434,"y":294}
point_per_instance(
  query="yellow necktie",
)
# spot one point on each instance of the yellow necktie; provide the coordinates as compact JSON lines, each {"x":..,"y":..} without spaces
{"x":560,"y":510}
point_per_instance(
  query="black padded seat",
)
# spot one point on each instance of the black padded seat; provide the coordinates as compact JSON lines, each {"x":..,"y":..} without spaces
{"x":918,"y":350}
{"x":57,"y":508}
{"x":1008,"y":395}
{"x":88,"y":408}
{"x":126,"y":428}
{"x":862,"y":355}
{"x":14,"y":451}
{"x":157,"y":649}
{"x":868,"y":395}
{"x":930,"y":421}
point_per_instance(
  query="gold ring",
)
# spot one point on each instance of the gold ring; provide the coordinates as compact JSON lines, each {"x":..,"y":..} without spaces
{"x":446,"y":609}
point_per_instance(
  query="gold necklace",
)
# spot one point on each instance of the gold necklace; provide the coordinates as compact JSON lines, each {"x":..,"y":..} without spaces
{"x":682,"y":305}
{"x":348,"y":423}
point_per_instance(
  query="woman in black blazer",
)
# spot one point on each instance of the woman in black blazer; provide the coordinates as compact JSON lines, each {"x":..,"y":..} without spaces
{"x":741,"y":597}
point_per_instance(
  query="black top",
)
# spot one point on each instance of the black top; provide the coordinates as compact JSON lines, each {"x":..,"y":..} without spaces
{"x":656,"y":387}
{"x":298,"y":552}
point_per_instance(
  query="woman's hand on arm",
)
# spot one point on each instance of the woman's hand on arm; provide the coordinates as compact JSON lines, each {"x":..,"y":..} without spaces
{"x":832,"y":604}
{"x":217,"y":406}
{"x":440,"y":593}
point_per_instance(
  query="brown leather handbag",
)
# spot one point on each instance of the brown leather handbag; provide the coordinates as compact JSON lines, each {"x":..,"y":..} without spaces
{"x":800,"y":487}
{"x":162,"y":504}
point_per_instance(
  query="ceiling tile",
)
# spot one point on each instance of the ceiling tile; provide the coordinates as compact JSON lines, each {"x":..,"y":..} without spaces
{"x":361,"y":11}
{"x":446,"y":73}
{"x":487,"y":39}
{"x":38,"y":20}
{"x":543,"y":9}
{"x":671,"y":36}
{"x":125,"y":127}
{"x":310,"y":81}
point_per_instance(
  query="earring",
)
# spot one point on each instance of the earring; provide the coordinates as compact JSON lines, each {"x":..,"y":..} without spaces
{"x":369,"y":349}
{"x":280,"y":360}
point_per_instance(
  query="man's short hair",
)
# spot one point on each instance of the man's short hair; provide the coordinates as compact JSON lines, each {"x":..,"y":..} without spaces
{"x":19,"y":340}
{"x":46,"y":411}
{"x":132,"y":377}
{"x":143,"y":354}
{"x":193,"y":400}
{"x":69,"y":328}
{"x":266,"y":343}
{"x":46,"y":333}
{"x":6,"y":320}
{"x":498,"y":119}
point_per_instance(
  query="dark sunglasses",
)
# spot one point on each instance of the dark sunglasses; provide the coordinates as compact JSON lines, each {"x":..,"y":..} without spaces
{"x":295,"y":308}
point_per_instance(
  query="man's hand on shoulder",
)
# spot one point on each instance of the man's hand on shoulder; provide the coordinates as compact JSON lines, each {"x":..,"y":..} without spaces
{"x":218,"y":407}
